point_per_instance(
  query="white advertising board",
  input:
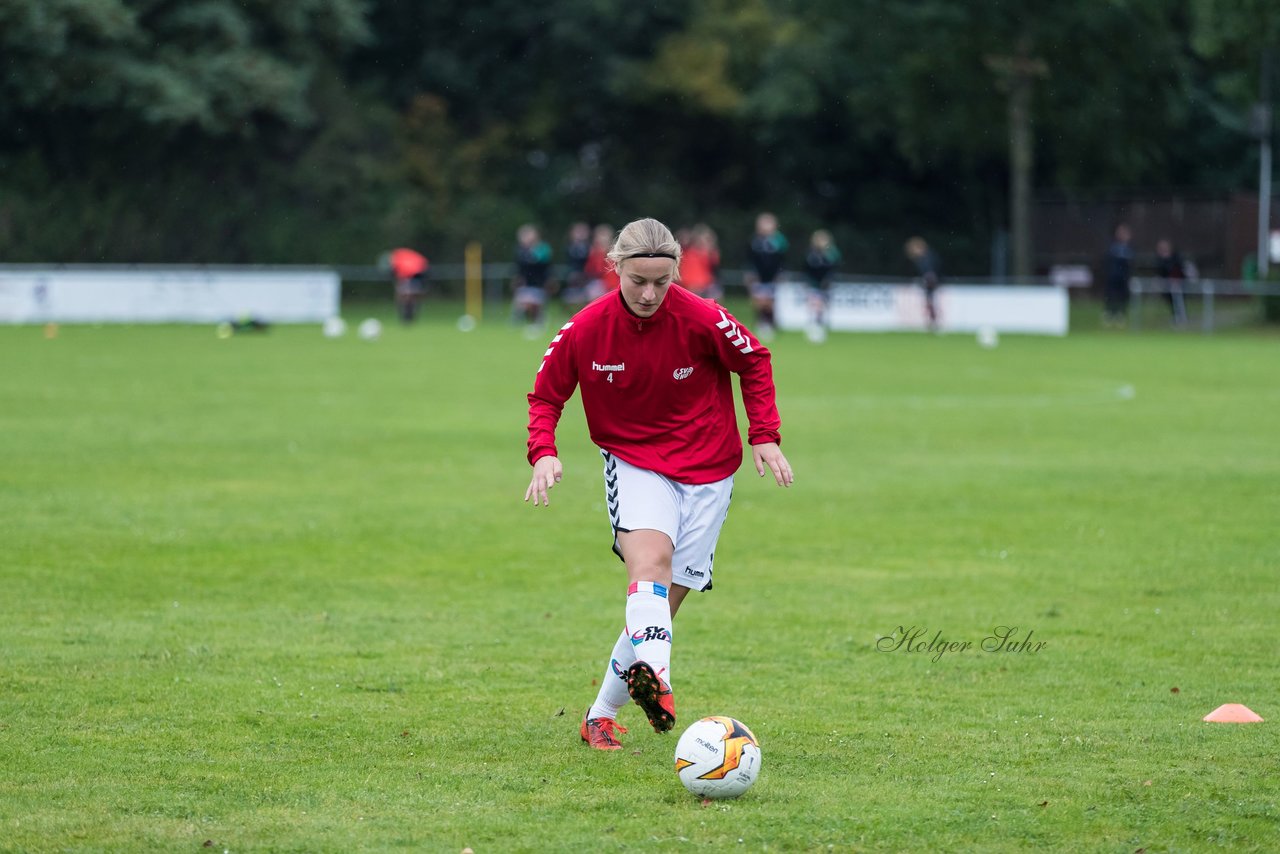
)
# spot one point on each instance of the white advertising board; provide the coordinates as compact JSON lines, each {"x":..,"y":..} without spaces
{"x":1039,"y":310}
{"x":167,"y":295}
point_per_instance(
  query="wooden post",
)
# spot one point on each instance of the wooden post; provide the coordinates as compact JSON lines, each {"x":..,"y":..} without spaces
{"x":475,"y":281}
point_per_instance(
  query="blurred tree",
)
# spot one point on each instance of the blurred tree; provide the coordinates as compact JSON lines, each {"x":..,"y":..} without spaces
{"x":928,"y":91}
{"x":1233,"y":38}
{"x":511,"y":110}
{"x":241,"y":129}
{"x":1231,"y":34}
{"x":145,"y":129}
{"x":211,"y":64}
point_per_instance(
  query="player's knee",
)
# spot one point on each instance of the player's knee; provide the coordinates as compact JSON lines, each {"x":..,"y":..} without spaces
{"x":650,"y":568}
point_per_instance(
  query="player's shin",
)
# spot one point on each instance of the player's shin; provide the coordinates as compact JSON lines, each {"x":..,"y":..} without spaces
{"x":649,"y":625}
{"x":613,"y":686}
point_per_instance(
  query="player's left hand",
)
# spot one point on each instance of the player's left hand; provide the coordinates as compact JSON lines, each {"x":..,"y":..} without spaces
{"x":768,"y":454}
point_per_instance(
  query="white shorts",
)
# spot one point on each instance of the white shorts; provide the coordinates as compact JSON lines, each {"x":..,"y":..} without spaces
{"x":690,"y":514}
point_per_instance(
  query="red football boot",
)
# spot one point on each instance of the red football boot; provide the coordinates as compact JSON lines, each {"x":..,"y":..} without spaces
{"x":653,"y":694}
{"x":599,"y":733}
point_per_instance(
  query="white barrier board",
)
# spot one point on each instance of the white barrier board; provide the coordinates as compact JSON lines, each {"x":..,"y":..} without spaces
{"x":159,"y":295}
{"x":896,"y":307}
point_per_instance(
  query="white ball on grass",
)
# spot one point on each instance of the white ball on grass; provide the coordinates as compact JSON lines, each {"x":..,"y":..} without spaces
{"x":717,"y":757}
{"x":370,"y":329}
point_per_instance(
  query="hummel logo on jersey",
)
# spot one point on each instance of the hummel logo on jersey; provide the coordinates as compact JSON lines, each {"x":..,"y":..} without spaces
{"x":554,"y":342}
{"x":736,"y":338}
{"x":682,"y":373}
{"x":596,"y":366}
{"x":696,"y":573}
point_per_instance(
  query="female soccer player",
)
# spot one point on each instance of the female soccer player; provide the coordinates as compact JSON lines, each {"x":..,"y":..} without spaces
{"x":533,"y":268}
{"x":654,"y":363}
{"x":819,"y":263}
{"x":768,"y":254}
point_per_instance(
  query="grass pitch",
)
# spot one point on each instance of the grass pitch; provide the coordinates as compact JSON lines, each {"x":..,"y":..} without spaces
{"x":280,"y":593}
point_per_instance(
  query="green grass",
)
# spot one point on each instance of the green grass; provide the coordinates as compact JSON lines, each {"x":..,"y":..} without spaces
{"x":279,"y":593}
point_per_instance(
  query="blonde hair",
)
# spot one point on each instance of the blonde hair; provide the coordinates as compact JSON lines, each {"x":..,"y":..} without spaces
{"x":644,"y":237}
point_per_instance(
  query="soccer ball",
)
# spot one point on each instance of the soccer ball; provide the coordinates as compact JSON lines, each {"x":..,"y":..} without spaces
{"x":988,"y":338}
{"x":370,"y":329}
{"x":718,"y":757}
{"x":334,"y":327}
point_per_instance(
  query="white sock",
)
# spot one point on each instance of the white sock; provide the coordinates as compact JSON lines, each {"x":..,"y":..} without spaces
{"x":649,"y":625}
{"x":613,"y":686}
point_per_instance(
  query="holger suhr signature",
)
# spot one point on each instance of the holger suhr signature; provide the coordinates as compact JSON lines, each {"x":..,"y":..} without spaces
{"x":916,"y":639}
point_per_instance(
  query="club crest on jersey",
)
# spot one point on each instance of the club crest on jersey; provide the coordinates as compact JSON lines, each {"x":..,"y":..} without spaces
{"x":682,"y":373}
{"x":621,"y":366}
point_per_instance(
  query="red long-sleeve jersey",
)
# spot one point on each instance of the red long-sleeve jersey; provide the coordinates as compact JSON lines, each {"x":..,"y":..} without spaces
{"x":657,"y":391}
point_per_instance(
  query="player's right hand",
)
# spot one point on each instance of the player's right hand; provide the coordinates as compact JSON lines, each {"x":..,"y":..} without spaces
{"x":547,"y":472}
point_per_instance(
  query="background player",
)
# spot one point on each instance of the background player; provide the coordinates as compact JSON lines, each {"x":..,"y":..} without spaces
{"x":767,"y":252}
{"x":533,"y":268}
{"x":819,"y":263}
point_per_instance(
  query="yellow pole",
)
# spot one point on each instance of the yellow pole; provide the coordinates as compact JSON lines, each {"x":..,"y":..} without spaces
{"x":475,"y":281}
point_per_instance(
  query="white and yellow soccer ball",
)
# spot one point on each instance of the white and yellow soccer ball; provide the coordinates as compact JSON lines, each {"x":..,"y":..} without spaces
{"x":718,"y":757}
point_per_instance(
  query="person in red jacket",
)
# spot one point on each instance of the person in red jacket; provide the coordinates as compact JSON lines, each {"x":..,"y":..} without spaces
{"x":601,"y":278}
{"x":409,"y":272}
{"x":700,"y":264}
{"x":655,"y":364}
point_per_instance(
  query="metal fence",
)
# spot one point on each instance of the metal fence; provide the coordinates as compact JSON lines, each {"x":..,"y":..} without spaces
{"x":1199,"y":301}
{"x":1188,"y":297}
